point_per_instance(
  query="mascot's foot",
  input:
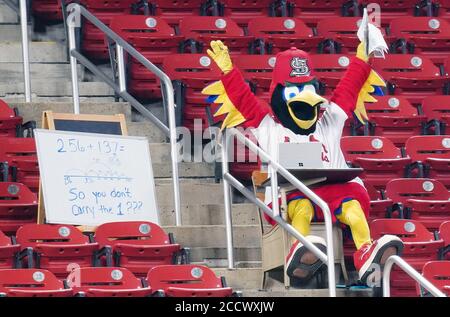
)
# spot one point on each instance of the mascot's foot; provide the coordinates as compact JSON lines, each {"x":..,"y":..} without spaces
{"x":371,"y":257}
{"x":301,"y":263}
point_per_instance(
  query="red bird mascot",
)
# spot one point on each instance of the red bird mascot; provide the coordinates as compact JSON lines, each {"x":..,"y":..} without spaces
{"x":293,"y":116}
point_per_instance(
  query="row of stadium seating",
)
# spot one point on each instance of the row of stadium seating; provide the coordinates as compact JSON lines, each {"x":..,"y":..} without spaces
{"x":420,"y":247}
{"x":136,"y":246}
{"x":161,"y":281}
{"x":244,"y":10}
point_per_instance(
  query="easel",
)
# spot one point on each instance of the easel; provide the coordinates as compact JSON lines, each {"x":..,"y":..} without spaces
{"x":49,"y":120}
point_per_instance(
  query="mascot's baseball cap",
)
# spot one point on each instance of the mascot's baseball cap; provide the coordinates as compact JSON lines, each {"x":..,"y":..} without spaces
{"x":293,"y":66}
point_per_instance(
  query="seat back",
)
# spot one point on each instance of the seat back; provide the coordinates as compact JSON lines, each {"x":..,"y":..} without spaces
{"x":18,"y":206}
{"x":282,"y":33}
{"x":132,"y":233}
{"x":438,"y":273}
{"x":355,"y":147}
{"x":57,"y":247}
{"x":31,"y":282}
{"x":437,"y":107}
{"x":392,"y":107}
{"x":410,"y":27}
{"x":406,"y":229}
{"x":243,"y":11}
{"x":204,"y":29}
{"x":143,"y":32}
{"x":408,"y":66}
{"x":176,"y":280}
{"x":107,"y":6}
{"x":420,"y":148}
{"x":402,"y":189}
{"x":90,"y":279}
{"x":33,"y":235}
{"x":17,"y":148}
{"x":444,"y":232}
{"x":191,"y":67}
{"x":329,"y":68}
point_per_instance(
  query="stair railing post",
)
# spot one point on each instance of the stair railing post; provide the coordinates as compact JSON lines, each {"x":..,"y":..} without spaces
{"x":226,"y":141}
{"x":72,"y":24}
{"x":25,"y":50}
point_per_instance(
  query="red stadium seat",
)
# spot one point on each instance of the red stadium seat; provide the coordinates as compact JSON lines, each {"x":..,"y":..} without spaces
{"x":329,"y":69}
{"x":203,"y":30}
{"x":106,"y":282}
{"x":192,"y":73}
{"x":31,"y":283}
{"x":9,"y":120}
{"x":174,"y":11}
{"x":428,"y":36}
{"x":413,"y":76}
{"x":311,"y":12}
{"x":257,"y":69}
{"x":154,"y":39}
{"x":444,"y":234}
{"x":343,"y":31}
{"x":187,"y":281}
{"x":438,"y":108}
{"x":393,"y":9}
{"x":380,"y":206}
{"x":425,"y":200}
{"x":378,"y":156}
{"x":20,"y":155}
{"x":18,"y":206}
{"x":434,"y":154}
{"x":394,"y":118}
{"x":93,"y":39}
{"x":438,"y":273}
{"x":243,"y":11}
{"x":419,"y":248}
{"x":276,"y":34}
{"x":58,"y":248}
{"x":48,"y":10}
{"x":8,"y":252}
{"x":138,"y":246}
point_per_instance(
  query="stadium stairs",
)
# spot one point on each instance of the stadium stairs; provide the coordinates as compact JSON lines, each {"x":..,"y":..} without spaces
{"x":203,"y":229}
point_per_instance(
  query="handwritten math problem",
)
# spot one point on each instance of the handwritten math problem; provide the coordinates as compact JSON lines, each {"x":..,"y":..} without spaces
{"x":75,"y":145}
{"x":90,"y":179}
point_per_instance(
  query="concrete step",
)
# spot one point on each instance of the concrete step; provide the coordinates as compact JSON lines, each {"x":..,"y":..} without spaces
{"x":214,"y":236}
{"x":248,"y":280}
{"x":243,"y":214}
{"x":7,"y":15}
{"x":192,"y":193}
{"x":148,"y":130}
{"x":59,"y":89}
{"x":190,"y":170}
{"x":33,"y":110}
{"x":217,"y":257}
{"x":13,"y":72}
{"x":40,"y":52}
{"x":11,"y":32}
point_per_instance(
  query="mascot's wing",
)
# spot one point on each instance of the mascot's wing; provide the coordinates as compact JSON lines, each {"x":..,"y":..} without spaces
{"x":216,"y":94}
{"x":371,"y":87}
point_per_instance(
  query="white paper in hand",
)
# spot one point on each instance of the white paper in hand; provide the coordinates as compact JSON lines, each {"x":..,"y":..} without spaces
{"x":368,"y":32}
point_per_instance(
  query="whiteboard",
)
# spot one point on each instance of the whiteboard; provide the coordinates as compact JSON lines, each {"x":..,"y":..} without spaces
{"x":90,"y":179}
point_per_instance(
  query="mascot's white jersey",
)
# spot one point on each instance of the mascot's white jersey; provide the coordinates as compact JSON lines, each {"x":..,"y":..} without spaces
{"x":328,"y":131}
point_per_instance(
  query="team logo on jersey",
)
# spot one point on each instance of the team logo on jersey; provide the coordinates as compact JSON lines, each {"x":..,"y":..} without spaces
{"x":299,"y":67}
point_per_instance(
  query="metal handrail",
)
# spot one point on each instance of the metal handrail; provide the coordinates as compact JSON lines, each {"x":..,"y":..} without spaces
{"x":75,"y":12}
{"x":229,"y":180}
{"x":395,"y":259}
{"x":23,"y":15}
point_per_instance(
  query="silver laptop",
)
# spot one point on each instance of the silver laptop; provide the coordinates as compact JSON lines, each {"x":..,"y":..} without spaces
{"x":300,"y":155}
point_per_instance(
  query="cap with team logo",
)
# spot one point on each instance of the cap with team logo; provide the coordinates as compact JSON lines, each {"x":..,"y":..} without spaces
{"x":292,"y":66}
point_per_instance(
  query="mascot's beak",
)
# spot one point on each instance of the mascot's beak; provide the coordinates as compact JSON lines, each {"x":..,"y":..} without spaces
{"x":303,"y":108}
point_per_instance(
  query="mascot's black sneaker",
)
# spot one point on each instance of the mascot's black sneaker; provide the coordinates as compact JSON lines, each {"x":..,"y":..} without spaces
{"x":301,"y":263}
{"x":370,"y":258}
